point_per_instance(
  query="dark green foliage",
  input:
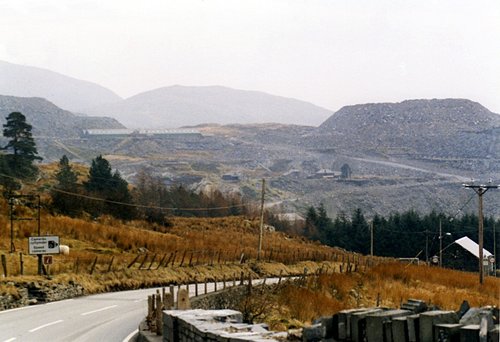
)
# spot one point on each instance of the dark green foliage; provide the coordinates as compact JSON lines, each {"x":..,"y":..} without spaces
{"x":110,"y":187}
{"x":17,"y":163}
{"x":63,"y":199}
{"x":399,"y":235}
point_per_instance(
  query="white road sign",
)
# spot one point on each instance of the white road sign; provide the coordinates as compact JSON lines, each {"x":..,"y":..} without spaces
{"x":44,"y":245}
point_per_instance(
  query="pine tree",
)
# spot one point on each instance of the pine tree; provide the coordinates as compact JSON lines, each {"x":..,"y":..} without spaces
{"x":21,"y":145}
{"x":111,"y":187}
{"x":62,"y":200}
{"x":17,"y":163}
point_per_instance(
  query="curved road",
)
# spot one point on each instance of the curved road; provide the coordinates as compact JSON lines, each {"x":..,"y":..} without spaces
{"x":104,"y":317}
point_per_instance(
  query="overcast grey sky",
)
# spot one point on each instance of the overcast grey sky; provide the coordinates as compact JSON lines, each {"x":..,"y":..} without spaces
{"x":329,"y":52}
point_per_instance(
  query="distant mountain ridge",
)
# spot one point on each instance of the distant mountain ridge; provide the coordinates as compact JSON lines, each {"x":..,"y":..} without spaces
{"x":65,"y":92}
{"x":177,"y":106}
{"x":48,"y":120}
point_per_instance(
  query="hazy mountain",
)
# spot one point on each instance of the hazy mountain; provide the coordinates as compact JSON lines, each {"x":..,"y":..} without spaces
{"x":428,"y":128}
{"x":66,"y":92}
{"x":48,"y":120}
{"x":177,"y":106}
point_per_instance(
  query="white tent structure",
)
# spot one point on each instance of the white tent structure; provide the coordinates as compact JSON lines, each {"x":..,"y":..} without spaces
{"x":472,"y":247}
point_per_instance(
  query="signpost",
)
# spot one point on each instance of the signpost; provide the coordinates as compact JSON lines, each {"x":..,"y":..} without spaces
{"x":43,"y":245}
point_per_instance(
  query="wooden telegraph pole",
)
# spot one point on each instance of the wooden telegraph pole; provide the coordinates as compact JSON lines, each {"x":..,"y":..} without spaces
{"x":261,"y":233}
{"x":480,"y":191}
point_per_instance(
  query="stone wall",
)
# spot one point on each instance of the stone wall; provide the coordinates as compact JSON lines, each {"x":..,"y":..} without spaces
{"x":407,"y":325}
{"x":29,"y":293}
{"x":213,"y":325}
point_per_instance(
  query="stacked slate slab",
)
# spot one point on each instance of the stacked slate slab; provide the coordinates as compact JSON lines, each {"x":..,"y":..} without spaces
{"x":412,"y":323}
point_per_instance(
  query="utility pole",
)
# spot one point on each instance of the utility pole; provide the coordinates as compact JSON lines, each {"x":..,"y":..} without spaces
{"x":261,"y":233}
{"x":426,"y":247}
{"x":440,"y":244}
{"x":494,"y":249}
{"x":480,"y":190}
{"x":13,"y":200}
{"x":371,"y":238}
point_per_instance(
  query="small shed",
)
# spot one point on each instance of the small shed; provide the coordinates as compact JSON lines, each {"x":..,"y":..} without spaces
{"x":463,"y":254}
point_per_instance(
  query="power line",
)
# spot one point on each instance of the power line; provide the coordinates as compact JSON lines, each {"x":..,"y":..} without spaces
{"x":53,"y":188}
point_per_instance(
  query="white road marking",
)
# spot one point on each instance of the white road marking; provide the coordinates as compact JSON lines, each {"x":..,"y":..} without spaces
{"x":99,"y":310}
{"x":16,"y":309}
{"x":59,"y":301}
{"x":129,"y":336}
{"x":12,"y":339}
{"x":45,"y":325}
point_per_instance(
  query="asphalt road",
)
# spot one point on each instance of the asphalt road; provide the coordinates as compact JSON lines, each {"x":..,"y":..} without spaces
{"x":104,"y":317}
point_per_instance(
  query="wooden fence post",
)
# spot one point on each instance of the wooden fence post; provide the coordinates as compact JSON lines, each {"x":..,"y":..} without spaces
{"x":93,"y":265}
{"x":132,"y":263}
{"x":182,"y":260}
{"x":4,"y":265}
{"x":77,"y":265}
{"x":150,"y":309}
{"x":191,"y":259}
{"x":21,"y":263}
{"x":152,"y":260}
{"x":143,"y":260}
{"x":173,"y":258}
{"x":196,"y":288}
{"x":159,"y":318}
{"x":111,"y":263}
{"x":161,"y":261}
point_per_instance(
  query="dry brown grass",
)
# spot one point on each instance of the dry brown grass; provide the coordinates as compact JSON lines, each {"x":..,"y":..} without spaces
{"x":212,"y":247}
{"x":392,"y":283}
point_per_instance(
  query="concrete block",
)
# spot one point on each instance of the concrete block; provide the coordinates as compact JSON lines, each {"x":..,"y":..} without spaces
{"x":358,"y":324}
{"x":314,"y":333}
{"x":430,"y":318}
{"x":344,"y":320}
{"x":494,"y":334}
{"x":183,"y":300}
{"x":387,"y":331}
{"x":413,"y":323}
{"x":469,"y":333}
{"x":464,"y":307}
{"x":447,"y":332}
{"x":330,"y":323}
{"x":399,"y":329}
{"x":375,"y":324}
{"x":415,"y":305}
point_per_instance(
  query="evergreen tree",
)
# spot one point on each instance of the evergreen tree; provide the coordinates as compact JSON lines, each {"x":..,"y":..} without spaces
{"x":310,"y":230}
{"x":22,"y":152}
{"x":62,"y":200}
{"x":111,"y":187}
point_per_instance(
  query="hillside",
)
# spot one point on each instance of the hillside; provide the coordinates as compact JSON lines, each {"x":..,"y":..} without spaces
{"x":65,"y":92}
{"x":51,"y":124}
{"x":177,"y":106}
{"x":445,"y":128}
